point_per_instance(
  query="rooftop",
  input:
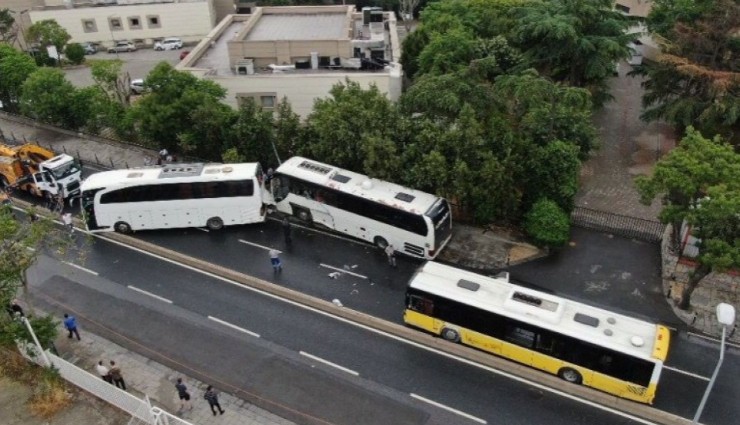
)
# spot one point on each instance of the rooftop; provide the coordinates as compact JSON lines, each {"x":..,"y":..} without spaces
{"x":319,"y":26}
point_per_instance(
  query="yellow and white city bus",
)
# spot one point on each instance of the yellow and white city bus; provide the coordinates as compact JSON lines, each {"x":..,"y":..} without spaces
{"x":579,"y":343}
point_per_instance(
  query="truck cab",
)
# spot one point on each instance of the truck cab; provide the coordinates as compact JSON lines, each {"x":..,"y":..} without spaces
{"x":60,"y":174}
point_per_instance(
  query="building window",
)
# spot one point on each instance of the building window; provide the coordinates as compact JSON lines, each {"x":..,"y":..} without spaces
{"x":134,"y":23}
{"x":153,"y":21}
{"x":267,"y":102}
{"x":115,"y":24}
{"x":88,"y":25}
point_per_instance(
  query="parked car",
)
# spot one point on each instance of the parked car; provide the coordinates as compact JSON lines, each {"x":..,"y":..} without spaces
{"x":122,"y":46}
{"x":137,"y":86}
{"x":90,"y":49}
{"x":183,"y":54}
{"x":171,"y":43}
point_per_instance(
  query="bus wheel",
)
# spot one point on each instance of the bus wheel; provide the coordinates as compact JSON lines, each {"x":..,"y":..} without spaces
{"x":214,"y":223}
{"x":122,"y":227}
{"x":570,"y":375}
{"x":302,"y":214}
{"x":380,"y":242}
{"x":450,"y":335}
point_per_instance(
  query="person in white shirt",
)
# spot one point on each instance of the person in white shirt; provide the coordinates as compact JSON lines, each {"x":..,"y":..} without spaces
{"x":103,"y":372}
{"x":67,"y":220}
{"x":390,"y":251}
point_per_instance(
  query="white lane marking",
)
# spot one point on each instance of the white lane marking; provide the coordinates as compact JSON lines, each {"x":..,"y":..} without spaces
{"x":266,"y":248}
{"x":709,"y":338}
{"x":150,"y":294}
{"x":327,"y":362}
{"x":686,"y":373}
{"x":232,"y":326}
{"x":202,"y":229}
{"x":343,"y":271}
{"x":385,"y":334}
{"x":449,"y":409}
{"x":80,"y":267}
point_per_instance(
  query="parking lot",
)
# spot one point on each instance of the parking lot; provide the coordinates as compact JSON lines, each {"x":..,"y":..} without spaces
{"x":137,"y":64}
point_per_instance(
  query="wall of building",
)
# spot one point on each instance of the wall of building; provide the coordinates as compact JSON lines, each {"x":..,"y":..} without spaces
{"x":301,"y":89}
{"x":189,"y":21}
{"x":637,"y":8}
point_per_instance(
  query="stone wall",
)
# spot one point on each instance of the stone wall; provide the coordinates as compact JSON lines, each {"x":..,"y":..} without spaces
{"x":715,"y":288}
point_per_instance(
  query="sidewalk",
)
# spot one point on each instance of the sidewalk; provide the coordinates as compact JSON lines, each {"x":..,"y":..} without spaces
{"x":144,"y":376}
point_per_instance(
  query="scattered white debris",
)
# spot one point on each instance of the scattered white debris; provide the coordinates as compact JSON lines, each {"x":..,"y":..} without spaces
{"x":354,"y":266}
{"x":354,"y":291}
{"x":336,"y":302}
{"x":334,"y":275}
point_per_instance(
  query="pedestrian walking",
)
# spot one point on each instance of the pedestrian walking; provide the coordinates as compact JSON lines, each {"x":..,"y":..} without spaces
{"x":71,"y":324}
{"x":182,"y":392}
{"x":67,"y":220}
{"x":163,"y":154}
{"x":104,"y":372}
{"x":287,"y":229}
{"x":116,"y":376}
{"x":390,"y":251}
{"x":277,"y":265}
{"x":211,"y":397}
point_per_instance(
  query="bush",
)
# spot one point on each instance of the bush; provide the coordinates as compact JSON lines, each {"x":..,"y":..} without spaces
{"x":75,"y":53}
{"x":547,"y":224}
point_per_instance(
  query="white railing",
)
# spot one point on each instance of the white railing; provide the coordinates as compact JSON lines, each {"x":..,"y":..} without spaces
{"x":141,"y":410}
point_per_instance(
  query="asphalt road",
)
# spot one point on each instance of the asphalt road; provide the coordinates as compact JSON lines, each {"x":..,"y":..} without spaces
{"x":167,"y":315}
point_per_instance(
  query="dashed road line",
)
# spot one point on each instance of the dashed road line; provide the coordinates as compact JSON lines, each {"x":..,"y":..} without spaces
{"x":266,"y":248}
{"x":343,"y":271}
{"x":327,"y":362}
{"x":149,"y":294}
{"x":232,"y":326}
{"x":709,"y":338}
{"x":449,"y":409}
{"x":80,"y":268}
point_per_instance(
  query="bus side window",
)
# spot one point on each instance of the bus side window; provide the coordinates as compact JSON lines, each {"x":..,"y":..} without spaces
{"x":421,"y":305}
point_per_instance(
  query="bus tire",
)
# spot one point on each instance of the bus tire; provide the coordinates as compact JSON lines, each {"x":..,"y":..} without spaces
{"x":122,"y":227}
{"x":450,"y":335}
{"x":570,"y":375}
{"x":380,"y":242}
{"x":215,"y":223}
{"x":302,"y":214}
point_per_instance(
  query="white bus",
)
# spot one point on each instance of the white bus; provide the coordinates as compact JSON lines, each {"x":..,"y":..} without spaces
{"x":579,"y":343}
{"x":414,"y":222}
{"x":173,"y":196}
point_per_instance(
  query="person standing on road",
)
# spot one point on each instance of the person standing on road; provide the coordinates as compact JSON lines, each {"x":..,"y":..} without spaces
{"x":103,"y":372}
{"x":390,"y":251}
{"x":67,"y":220}
{"x":287,"y":229}
{"x":116,"y":376}
{"x":71,"y":324}
{"x":211,"y":397}
{"x":182,"y":392}
{"x":277,"y":265}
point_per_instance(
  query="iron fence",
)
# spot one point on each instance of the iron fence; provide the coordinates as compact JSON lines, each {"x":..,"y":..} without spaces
{"x":631,"y":227}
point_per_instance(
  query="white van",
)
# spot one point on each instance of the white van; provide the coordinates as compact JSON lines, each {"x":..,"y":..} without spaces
{"x":171,"y":43}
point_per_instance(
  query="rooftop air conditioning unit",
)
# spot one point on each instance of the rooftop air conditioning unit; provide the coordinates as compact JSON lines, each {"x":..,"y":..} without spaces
{"x":245,"y":67}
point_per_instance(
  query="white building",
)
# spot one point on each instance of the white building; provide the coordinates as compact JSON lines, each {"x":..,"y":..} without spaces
{"x":300,"y":53}
{"x":139,"y":21}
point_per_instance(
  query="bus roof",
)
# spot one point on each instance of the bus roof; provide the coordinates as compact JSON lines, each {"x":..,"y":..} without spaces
{"x":171,"y":173}
{"x":495,"y":294}
{"x":395,"y":195}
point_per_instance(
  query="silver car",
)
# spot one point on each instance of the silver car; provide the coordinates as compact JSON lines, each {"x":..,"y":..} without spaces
{"x":171,"y":43}
{"x":122,"y":46}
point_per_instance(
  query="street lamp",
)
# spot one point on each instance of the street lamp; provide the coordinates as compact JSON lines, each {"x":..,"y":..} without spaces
{"x":725,"y":317}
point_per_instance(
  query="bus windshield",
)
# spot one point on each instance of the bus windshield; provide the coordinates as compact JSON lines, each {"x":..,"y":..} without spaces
{"x":441,"y":219}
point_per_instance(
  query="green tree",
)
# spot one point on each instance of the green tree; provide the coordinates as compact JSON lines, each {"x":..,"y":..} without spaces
{"x":8,"y":27}
{"x":699,"y":182}
{"x":165,"y":112}
{"x":108,"y":75}
{"x":573,"y":41}
{"x":48,"y":33}
{"x":254,"y":133}
{"x":211,"y":131}
{"x":547,"y":224}
{"x":448,"y":52}
{"x":15,"y":67}
{"x":22,"y":241}
{"x":553,"y":171}
{"x":288,"y":130}
{"x":75,"y":53}
{"x":336,"y":128}
{"x":695,"y":82}
{"x":50,"y":98}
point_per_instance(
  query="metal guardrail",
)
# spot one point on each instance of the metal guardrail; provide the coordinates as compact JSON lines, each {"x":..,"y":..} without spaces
{"x":631,"y":227}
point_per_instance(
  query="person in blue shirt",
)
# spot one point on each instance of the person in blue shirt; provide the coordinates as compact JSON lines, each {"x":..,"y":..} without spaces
{"x":71,"y":324}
